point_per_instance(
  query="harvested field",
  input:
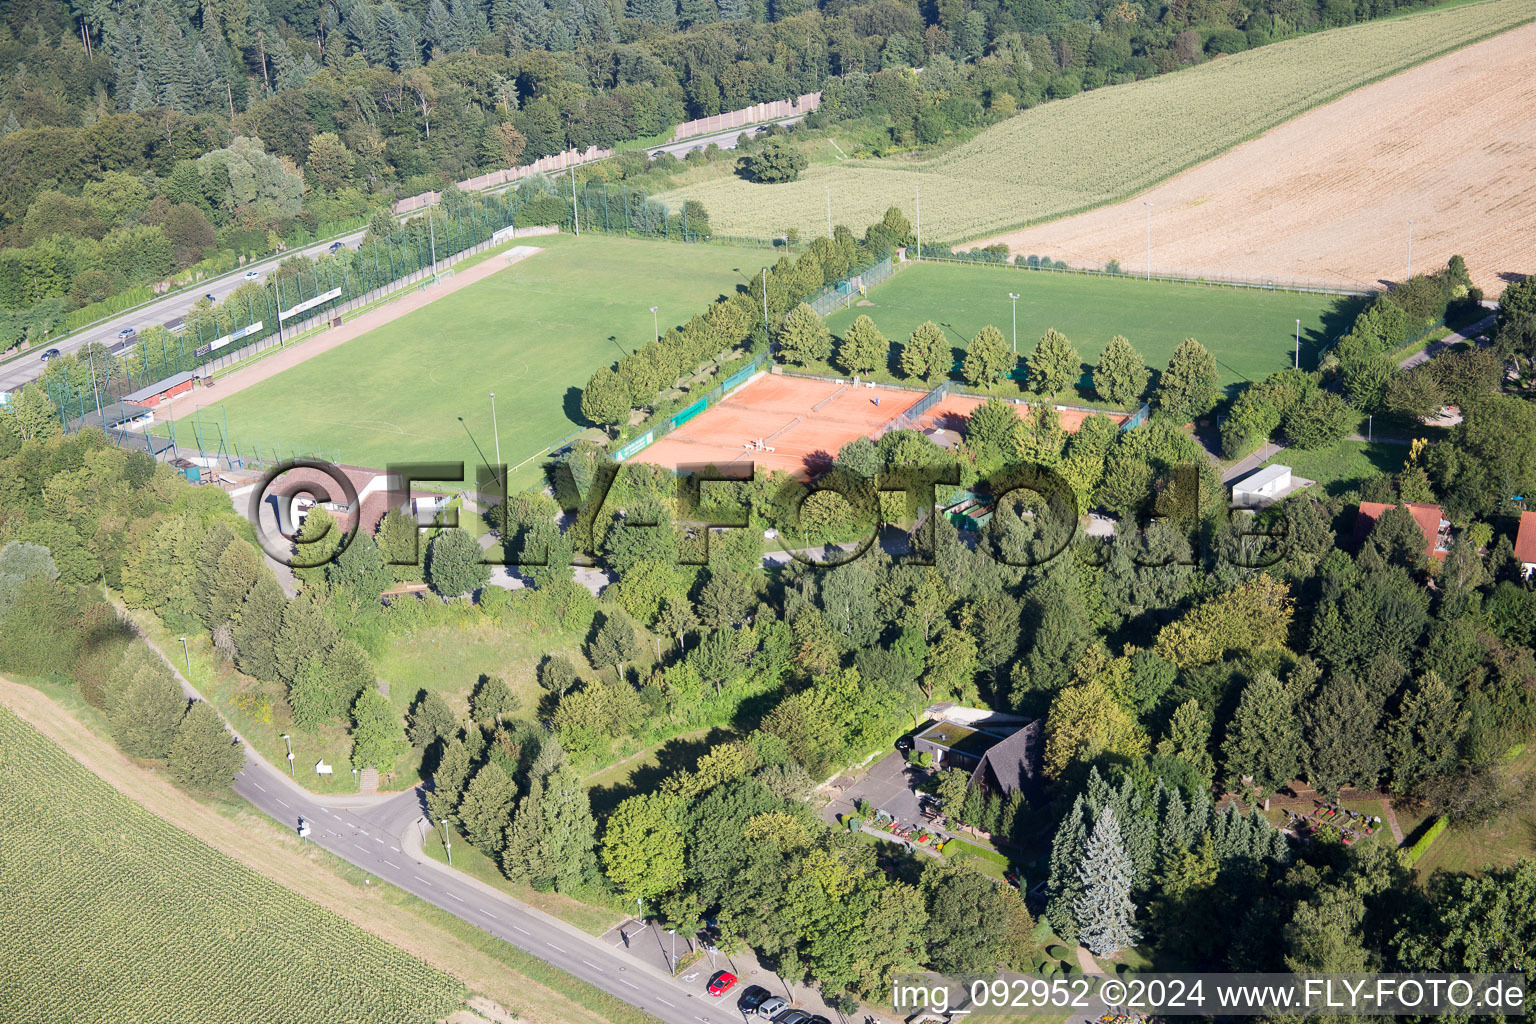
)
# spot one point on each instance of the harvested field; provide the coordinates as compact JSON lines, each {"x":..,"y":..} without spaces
{"x":1102,"y":146}
{"x":805,"y":422}
{"x":1450,"y":144}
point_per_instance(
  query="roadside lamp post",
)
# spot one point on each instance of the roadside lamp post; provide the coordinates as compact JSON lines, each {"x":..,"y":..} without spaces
{"x":1149,"y":240}
{"x":447,"y":846}
{"x":1015,"y":299}
{"x":289,"y":742}
{"x":186,"y":658}
{"x":357,"y":780}
{"x":828,"y":189}
{"x":1298,"y":344}
{"x":655,"y":324}
{"x":495,"y":432}
{"x":673,"y":932}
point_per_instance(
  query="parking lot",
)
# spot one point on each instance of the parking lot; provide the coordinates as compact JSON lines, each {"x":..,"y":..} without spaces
{"x":887,"y":785}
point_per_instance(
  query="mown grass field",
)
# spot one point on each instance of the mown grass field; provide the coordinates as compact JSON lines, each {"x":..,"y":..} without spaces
{"x":418,"y":389}
{"x":1251,"y":333}
{"x":1345,"y":466}
{"x":113,"y":914}
{"x":1071,"y":155}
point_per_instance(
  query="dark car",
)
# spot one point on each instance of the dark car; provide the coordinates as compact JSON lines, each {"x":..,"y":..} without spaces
{"x":52,"y":353}
{"x":818,"y":1019}
{"x":209,"y":297}
{"x":335,"y":248}
{"x":792,"y":1017}
{"x":752,"y":998}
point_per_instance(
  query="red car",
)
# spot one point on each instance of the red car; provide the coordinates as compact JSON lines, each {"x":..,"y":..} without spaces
{"x":721,"y":983}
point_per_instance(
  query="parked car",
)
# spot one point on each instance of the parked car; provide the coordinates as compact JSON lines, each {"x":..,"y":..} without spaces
{"x":209,"y":297}
{"x":772,"y":1006}
{"x":253,"y":275}
{"x":792,"y":1017}
{"x":818,"y":1019}
{"x":752,"y":998}
{"x":126,"y":333}
{"x":720,"y":983}
{"x":52,"y":353}
{"x":335,"y":248}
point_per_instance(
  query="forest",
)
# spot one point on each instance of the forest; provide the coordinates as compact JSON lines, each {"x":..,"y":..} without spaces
{"x":154,"y":141}
{"x":1186,"y":669}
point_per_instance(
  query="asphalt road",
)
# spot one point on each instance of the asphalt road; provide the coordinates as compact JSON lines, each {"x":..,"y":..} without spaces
{"x":725,"y":140}
{"x":29,"y":365}
{"x":382,"y":834}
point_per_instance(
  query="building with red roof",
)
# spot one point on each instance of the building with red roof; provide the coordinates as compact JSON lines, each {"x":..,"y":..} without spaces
{"x":1525,"y":544}
{"x":1434,"y":526}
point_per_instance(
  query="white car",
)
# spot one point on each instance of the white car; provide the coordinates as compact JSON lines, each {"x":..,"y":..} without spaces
{"x":252,"y":275}
{"x":770,"y":1008}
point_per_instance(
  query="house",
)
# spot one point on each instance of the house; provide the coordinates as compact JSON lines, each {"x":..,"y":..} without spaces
{"x":1001,"y":751}
{"x":1432,"y":523}
{"x":1264,"y":487}
{"x":1014,"y":764}
{"x":163,"y":390}
{"x":1525,"y":544}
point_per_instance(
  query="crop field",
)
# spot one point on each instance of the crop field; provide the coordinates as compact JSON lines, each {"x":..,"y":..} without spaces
{"x":1329,"y":194}
{"x":418,"y":389}
{"x":111,"y":914}
{"x":1102,"y":146}
{"x":1252,"y":333}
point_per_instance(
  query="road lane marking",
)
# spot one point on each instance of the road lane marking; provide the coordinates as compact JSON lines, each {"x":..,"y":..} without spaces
{"x":363,"y":831}
{"x":284,"y":803}
{"x":378,"y":840}
{"x":423,"y":881}
{"x":551,"y":945}
{"x":360,"y":846}
{"x":258,"y":785}
{"x":392,"y":864}
{"x":488,"y":914}
{"x":663,"y":1002}
{"x":525,"y":931}
{"x":592,"y":965}
{"x":630,"y":984}
{"x":395,"y":848}
{"x":456,"y":896}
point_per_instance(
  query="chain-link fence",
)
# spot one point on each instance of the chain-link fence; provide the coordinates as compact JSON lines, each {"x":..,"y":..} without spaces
{"x":660,"y":430}
{"x":1000,"y":260}
{"x":295,"y":299}
{"x":838,"y":296}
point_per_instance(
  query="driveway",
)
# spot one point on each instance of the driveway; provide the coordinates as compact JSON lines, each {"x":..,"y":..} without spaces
{"x":887,"y":785}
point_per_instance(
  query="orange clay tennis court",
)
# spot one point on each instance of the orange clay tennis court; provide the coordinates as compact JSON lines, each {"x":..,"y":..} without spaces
{"x":798,"y":424}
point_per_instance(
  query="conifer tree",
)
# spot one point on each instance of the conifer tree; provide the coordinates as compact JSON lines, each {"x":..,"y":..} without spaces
{"x":449,"y":780}
{"x":927,"y":353}
{"x":804,"y":338}
{"x":988,"y":358}
{"x":1106,"y":916}
{"x":486,"y":808}
{"x":1054,"y":365}
{"x":492,"y":700}
{"x":1121,"y":376}
{"x":430,"y":719}
{"x":204,"y":755}
{"x":1067,"y":852}
{"x":863,"y":349}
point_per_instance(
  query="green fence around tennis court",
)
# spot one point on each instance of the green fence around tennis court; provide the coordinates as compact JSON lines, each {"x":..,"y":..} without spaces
{"x":838,"y":296}
{"x":677,"y":419}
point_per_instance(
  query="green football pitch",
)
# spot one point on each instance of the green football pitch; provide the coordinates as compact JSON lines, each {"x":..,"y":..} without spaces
{"x":1251,"y":332}
{"x":418,"y":389}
